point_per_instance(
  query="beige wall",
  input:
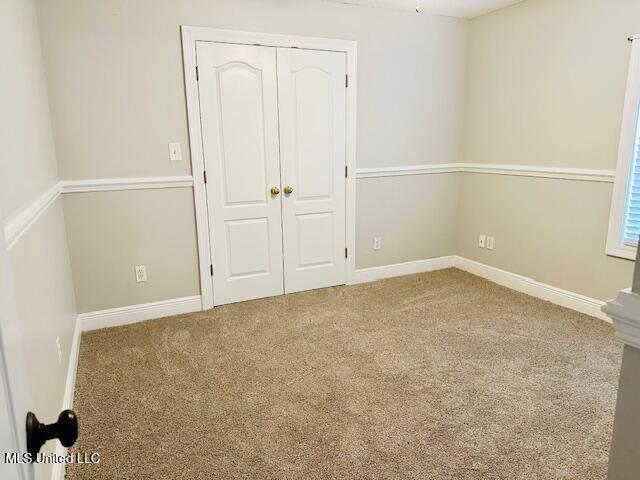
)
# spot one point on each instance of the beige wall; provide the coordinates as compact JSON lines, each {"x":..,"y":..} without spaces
{"x":546,"y":82}
{"x":117,"y":94}
{"x":553,"y":231}
{"x":419,"y":223}
{"x":25,"y":135}
{"x":46,"y":307}
{"x":539,"y":83}
{"x":117,"y":89}
{"x":110,"y":232}
{"x":40,"y":267}
{"x":545,"y":86}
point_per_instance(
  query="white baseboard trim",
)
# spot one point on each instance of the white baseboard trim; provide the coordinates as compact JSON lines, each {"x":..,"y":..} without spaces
{"x":371,"y":274}
{"x":137,"y":313}
{"x":111,"y":318}
{"x":520,"y":283}
{"x":114,"y":317}
{"x":57,"y":472}
{"x":564,"y":298}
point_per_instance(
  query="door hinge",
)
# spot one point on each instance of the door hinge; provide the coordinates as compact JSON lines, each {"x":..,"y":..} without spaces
{"x":346,"y":171}
{"x":345,"y":252}
{"x":205,"y":176}
{"x":197,"y":74}
{"x":346,"y":81}
{"x":211,"y":269}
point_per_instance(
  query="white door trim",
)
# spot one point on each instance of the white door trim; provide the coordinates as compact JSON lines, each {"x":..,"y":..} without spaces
{"x":191,"y":35}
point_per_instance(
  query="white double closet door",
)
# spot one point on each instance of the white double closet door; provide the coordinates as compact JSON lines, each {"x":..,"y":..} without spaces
{"x":273,"y":129}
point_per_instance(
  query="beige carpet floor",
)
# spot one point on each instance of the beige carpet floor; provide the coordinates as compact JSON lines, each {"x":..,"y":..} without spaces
{"x":431,"y":376}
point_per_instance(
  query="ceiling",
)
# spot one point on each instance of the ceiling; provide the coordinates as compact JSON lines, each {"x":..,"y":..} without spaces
{"x":450,"y":8}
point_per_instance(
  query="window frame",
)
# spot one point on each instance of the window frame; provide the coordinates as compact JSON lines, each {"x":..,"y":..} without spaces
{"x":616,"y":246}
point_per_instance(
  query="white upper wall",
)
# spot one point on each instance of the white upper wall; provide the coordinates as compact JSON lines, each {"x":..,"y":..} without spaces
{"x":27,"y":158}
{"x":117,"y":89}
{"x":40,"y":269}
{"x":546,"y":83}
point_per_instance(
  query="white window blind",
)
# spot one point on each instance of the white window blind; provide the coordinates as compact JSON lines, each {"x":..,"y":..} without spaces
{"x":631,"y":226}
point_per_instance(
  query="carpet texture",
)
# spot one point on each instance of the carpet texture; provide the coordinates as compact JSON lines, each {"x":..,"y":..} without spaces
{"x":441,"y":375}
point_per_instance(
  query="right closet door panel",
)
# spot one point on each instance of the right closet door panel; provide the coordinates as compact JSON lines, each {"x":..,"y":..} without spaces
{"x":311,"y":101}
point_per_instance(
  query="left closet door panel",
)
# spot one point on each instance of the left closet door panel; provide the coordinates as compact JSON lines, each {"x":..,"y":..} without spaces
{"x":239,"y":118}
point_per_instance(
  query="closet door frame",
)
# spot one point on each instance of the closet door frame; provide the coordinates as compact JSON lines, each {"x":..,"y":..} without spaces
{"x":191,"y":35}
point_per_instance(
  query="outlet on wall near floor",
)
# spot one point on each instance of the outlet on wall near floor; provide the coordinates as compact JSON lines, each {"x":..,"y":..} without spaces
{"x":141,"y":273}
{"x":59,"y":350}
{"x":377,"y":243}
{"x":482,"y":241}
{"x":489,"y":243}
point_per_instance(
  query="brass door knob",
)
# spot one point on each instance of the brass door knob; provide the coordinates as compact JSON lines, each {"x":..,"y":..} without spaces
{"x":288,"y":190}
{"x":275,"y":190}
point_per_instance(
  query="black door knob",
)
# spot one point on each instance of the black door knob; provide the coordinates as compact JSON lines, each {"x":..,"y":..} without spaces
{"x":65,"y":430}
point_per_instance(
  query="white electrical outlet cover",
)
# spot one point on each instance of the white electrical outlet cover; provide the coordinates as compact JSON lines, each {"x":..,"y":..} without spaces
{"x":482,"y":241}
{"x":141,"y":273}
{"x":489,"y":243}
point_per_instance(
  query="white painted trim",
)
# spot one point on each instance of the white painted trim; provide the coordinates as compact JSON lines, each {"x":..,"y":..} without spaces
{"x":565,"y":298}
{"x":379,"y":172}
{"x":190,"y":35}
{"x":209,"y":34}
{"x":58,"y":470}
{"x":562,"y":173}
{"x":520,"y":283}
{"x":615,"y":243}
{"x":114,"y":317}
{"x":111,"y":318}
{"x":74,"y":354}
{"x":622,"y":251}
{"x":625,"y":312}
{"x":351,"y":51}
{"x":128,"y":183}
{"x":18,"y":225}
{"x":371,"y":274}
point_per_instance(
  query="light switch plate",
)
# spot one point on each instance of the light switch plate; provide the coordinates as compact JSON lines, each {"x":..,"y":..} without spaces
{"x":175,"y":152}
{"x":482,"y":241}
